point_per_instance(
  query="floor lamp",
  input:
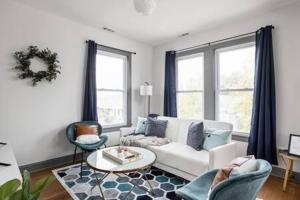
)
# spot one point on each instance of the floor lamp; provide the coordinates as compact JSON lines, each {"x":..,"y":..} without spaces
{"x":146,"y":90}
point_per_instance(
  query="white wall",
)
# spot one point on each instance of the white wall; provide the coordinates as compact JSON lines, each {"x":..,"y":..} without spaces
{"x":287,"y":62}
{"x":33,"y":119}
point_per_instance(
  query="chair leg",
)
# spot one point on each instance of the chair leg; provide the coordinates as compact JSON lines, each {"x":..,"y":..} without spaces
{"x":105,"y":145}
{"x":74,"y":156}
{"x":82,"y":152}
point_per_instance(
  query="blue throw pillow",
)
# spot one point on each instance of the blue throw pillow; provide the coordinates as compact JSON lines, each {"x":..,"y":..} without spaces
{"x":215,"y":138}
{"x":156,"y":127}
{"x":141,"y":125}
{"x":195,"y":136}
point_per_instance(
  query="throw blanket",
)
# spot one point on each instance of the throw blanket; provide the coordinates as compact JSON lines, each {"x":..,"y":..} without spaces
{"x":143,"y":141}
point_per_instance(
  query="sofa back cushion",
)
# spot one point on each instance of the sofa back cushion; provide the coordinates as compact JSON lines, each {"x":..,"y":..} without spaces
{"x":183,"y":130}
{"x":217,"y":125}
{"x":172,"y":127}
{"x":177,"y":129}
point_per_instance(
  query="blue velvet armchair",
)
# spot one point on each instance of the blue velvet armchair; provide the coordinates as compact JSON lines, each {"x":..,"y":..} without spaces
{"x":71,"y":136}
{"x":243,"y":187}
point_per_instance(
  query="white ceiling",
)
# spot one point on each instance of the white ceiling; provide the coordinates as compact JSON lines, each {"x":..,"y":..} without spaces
{"x":171,"y":18}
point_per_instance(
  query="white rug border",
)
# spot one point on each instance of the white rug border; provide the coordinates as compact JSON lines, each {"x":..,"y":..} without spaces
{"x":54,"y":172}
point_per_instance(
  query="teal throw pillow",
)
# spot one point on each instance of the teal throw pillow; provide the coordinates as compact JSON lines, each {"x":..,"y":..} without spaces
{"x":215,"y":138}
{"x":141,"y":125}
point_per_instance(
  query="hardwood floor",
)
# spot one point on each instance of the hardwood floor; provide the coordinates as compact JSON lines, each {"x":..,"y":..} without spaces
{"x":272,"y":190}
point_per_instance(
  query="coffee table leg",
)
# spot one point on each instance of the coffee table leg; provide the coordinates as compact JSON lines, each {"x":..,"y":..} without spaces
{"x":144,"y":173}
{"x":99,"y":181}
{"x":136,"y":184}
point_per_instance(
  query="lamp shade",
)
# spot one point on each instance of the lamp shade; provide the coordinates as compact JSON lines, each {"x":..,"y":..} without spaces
{"x":146,"y":90}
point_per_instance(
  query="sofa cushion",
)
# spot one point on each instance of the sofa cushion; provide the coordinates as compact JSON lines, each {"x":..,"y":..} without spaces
{"x":172,"y":128}
{"x":177,"y":129}
{"x":156,"y":127}
{"x":184,"y":129}
{"x":182,"y":157}
{"x":141,"y":125}
{"x":195,"y":136}
{"x":216,"y":138}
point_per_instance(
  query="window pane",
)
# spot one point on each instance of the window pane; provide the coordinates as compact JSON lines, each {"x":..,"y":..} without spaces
{"x":110,"y":72}
{"x":236,"y":68}
{"x":110,"y":107}
{"x":190,"y":105}
{"x":190,"y":73}
{"x":236,"y":108}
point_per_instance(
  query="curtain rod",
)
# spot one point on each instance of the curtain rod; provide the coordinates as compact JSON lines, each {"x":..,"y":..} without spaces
{"x":217,"y":41}
{"x":113,"y":48}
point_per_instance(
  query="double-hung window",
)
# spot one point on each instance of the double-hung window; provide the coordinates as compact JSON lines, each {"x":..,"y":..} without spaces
{"x":235,"y":82}
{"x":216,"y":82}
{"x":113,"y":96}
{"x":190,"y":86}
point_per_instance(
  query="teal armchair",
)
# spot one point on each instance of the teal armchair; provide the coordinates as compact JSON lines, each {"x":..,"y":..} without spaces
{"x":71,"y":136}
{"x":243,"y":187}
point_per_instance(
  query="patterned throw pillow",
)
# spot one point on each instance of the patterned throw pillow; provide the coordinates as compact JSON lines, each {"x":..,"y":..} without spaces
{"x":240,"y":164}
{"x":156,"y":127}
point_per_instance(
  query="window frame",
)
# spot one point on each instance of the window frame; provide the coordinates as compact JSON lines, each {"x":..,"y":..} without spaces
{"x":210,"y":78}
{"x":218,"y":89}
{"x":201,"y":91}
{"x":127,"y":92}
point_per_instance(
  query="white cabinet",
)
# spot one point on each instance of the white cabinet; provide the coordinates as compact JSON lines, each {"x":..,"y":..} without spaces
{"x":8,"y":172}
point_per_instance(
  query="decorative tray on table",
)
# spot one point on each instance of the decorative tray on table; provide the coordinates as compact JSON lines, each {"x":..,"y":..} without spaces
{"x":122,"y":155}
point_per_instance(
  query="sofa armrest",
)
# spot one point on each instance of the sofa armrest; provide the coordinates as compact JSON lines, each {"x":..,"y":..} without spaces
{"x":126,"y":131}
{"x":222,"y":155}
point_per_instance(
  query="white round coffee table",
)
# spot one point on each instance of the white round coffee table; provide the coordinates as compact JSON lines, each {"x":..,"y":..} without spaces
{"x":98,"y":162}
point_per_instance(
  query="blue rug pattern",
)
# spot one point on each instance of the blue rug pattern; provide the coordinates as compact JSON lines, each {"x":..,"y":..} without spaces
{"x":114,"y":187}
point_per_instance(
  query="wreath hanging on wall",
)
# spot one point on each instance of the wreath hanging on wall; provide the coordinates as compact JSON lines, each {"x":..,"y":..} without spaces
{"x":24,"y":61}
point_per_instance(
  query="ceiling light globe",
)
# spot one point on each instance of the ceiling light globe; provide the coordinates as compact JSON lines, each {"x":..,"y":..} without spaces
{"x":145,"y":7}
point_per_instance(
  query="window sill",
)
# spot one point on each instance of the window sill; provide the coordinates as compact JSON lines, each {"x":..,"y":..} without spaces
{"x":238,"y":136}
{"x":114,"y":129}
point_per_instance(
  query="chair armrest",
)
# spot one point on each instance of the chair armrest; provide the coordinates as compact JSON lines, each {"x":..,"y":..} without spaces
{"x":204,"y":182}
{"x":222,"y":155}
{"x":126,"y":131}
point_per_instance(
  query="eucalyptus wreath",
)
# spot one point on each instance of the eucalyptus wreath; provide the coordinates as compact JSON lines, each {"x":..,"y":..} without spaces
{"x":24,"y":61}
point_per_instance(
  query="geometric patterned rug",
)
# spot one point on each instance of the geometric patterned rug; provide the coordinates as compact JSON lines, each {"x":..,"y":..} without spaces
{"x":114,"y":187}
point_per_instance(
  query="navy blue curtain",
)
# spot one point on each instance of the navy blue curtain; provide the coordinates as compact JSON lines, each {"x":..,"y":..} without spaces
{"x":90,"y":93}
{"x":262,"y":140}
{"x":170,"y":104}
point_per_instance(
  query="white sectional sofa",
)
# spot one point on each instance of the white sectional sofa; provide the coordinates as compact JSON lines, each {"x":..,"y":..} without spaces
{"x":182,"y":160}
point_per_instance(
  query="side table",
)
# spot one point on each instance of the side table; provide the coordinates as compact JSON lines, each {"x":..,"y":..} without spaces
{"x":289,"y":162}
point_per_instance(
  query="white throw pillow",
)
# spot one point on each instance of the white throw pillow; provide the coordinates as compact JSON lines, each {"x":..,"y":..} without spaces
{"x":87,"y":139}
{"x":238,"y":166}
{"x":247,"y":166}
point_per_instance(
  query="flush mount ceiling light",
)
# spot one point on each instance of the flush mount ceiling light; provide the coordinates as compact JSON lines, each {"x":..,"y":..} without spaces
{"x":145,"y":7}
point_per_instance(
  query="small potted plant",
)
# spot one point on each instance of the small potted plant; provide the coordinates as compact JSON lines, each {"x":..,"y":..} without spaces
{"x":15,"y":190}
